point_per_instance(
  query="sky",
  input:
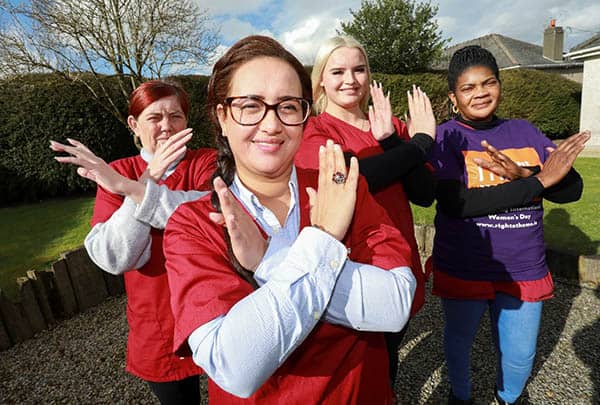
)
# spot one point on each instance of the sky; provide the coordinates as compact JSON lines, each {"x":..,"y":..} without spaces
{"x":300,"y":25}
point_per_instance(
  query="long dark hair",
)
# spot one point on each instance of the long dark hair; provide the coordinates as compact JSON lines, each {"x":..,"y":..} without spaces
{"x":243,"y":51}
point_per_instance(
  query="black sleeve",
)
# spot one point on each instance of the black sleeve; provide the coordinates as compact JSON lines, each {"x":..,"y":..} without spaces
{"x":419,"y":185}
{"x":455,"y":200}
{"x":569,"y":189}
{"x":396,"y":162}
{"x":391,"y":141}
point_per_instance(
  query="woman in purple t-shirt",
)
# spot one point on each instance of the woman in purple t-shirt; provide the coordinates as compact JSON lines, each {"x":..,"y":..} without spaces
{"x":489,"y":246}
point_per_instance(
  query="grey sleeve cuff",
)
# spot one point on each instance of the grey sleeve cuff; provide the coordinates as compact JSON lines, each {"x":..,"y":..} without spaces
{"x":160,"y":202}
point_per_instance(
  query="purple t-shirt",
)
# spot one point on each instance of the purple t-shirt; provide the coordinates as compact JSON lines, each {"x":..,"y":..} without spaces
{"x":504,"y":246}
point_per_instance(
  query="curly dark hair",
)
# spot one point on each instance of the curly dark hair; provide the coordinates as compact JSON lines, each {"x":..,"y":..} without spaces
{"x":464,"y":58}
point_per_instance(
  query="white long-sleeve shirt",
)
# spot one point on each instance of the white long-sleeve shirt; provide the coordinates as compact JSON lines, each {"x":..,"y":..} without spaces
{"x":123,"y":242}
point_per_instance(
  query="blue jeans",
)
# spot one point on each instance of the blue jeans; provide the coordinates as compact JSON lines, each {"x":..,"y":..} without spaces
{"x":515,"y":325}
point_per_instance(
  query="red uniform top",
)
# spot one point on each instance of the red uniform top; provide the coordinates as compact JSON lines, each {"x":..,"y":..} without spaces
{"x":447,"y":286}
{"x":150,"y":340}
{"x":393,"y":198}
{"x":334,"y":365}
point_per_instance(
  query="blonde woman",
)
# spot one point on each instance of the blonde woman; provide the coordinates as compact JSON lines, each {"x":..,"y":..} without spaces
{"x":391,"y":154}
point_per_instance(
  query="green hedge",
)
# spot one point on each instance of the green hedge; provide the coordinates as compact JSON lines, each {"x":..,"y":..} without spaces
{"x":37,"y":108}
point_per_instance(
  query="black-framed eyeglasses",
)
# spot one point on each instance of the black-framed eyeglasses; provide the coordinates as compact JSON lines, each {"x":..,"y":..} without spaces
{"x":250,"y":110}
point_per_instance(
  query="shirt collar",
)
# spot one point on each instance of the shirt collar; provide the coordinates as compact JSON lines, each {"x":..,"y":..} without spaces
{"x":252,"y":203}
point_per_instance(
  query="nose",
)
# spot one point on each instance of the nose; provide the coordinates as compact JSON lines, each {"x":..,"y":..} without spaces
{"x":349,"y":77}
{"x":166,"y":124}
{"x":271,"y":123}
{"x":481,"y":91}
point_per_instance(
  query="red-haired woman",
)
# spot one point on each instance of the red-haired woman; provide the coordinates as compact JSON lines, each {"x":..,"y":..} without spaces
{"x":131,"y":210}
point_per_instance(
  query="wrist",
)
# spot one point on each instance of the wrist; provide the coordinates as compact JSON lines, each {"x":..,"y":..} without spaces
{"x":542,"y":179}
{"x":383,"y":136}
{"x":147,"y":175}
{"x":133,"y":189}
{"x":529,"y":171}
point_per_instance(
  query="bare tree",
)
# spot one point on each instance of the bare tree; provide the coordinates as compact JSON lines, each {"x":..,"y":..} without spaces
{"x":90,"y":40}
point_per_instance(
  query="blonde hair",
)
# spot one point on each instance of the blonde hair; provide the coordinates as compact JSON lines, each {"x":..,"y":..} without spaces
{"x":323,"y":54}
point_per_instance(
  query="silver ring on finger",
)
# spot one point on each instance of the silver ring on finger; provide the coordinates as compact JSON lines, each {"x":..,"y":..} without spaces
{"x":338,"y":178}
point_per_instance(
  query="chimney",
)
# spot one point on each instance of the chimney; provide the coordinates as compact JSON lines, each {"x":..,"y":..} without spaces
{"x":553,"y":42}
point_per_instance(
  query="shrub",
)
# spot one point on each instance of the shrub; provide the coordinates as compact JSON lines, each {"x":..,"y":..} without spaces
{"x":549,"y":101}
{"x":37,"y":108}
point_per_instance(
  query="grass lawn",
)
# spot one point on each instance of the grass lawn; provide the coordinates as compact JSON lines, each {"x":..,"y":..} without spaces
{"x":573,"y":227}
{"x":34,"y":235}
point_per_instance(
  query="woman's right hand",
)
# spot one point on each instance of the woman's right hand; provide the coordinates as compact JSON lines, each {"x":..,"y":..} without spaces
{"x":380,"y":113}
{"x":247,"y":243}
{"x":500,"y":164}
{"x":561,"y":159}
{"x":332,"y":206}
{"x":166,"y":153}
{"x":421,"y":118}
{"x":94,"y":168}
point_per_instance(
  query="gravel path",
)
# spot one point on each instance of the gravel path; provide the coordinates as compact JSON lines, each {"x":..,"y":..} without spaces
{"x":81,"y":360}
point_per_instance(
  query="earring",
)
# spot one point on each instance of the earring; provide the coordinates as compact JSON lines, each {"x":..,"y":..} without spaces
{"x":455,"y":109}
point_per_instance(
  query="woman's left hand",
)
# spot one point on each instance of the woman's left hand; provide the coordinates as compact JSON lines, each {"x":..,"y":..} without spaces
{"x":332,"y":206}
{"x":166,"y":153}
{"x":247,"y":243}
{"x":421,"y":118}
{"x":380,"y":113}
{"x":94,"y":168}
{"x":500,"y":164}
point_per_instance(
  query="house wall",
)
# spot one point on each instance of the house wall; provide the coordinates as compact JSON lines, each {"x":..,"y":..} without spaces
{"x":590,"y":101}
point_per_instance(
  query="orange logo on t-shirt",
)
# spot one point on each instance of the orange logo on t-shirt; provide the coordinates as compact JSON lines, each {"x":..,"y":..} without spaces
{"x":479,"y":177}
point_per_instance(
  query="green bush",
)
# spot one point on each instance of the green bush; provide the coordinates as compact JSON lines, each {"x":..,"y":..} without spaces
{"x":37,"y":108}
{"x":549,"y":101}
{"x":197,"y":86}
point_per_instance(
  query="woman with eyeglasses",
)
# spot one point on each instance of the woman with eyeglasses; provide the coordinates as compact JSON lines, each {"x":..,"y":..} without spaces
{"x":135,"y":197}
{"x":297,"y":319}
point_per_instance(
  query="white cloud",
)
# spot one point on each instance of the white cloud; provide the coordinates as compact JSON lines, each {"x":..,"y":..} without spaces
{"x":231,"y":7}
{"x":304,"y":39}
{"x":234,"y":29}
{"x":301,"y":25}
{"x":521,"y":20}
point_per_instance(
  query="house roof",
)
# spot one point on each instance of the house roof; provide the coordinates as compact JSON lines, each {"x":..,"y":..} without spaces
{"x":509,"y":52}
{"x":591,"y":42}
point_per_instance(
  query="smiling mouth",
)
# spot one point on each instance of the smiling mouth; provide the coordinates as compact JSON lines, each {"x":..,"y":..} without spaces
{"x":268,"y":141}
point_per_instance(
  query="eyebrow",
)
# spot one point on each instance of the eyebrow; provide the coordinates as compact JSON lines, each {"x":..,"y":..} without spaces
{"x":353,"y":67}
{"x":282,"y":98}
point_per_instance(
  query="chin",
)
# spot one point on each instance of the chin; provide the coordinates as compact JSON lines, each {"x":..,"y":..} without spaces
{"x":481,"y":115}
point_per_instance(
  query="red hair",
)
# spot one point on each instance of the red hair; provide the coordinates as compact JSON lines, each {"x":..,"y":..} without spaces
{"x":150,"y":91}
